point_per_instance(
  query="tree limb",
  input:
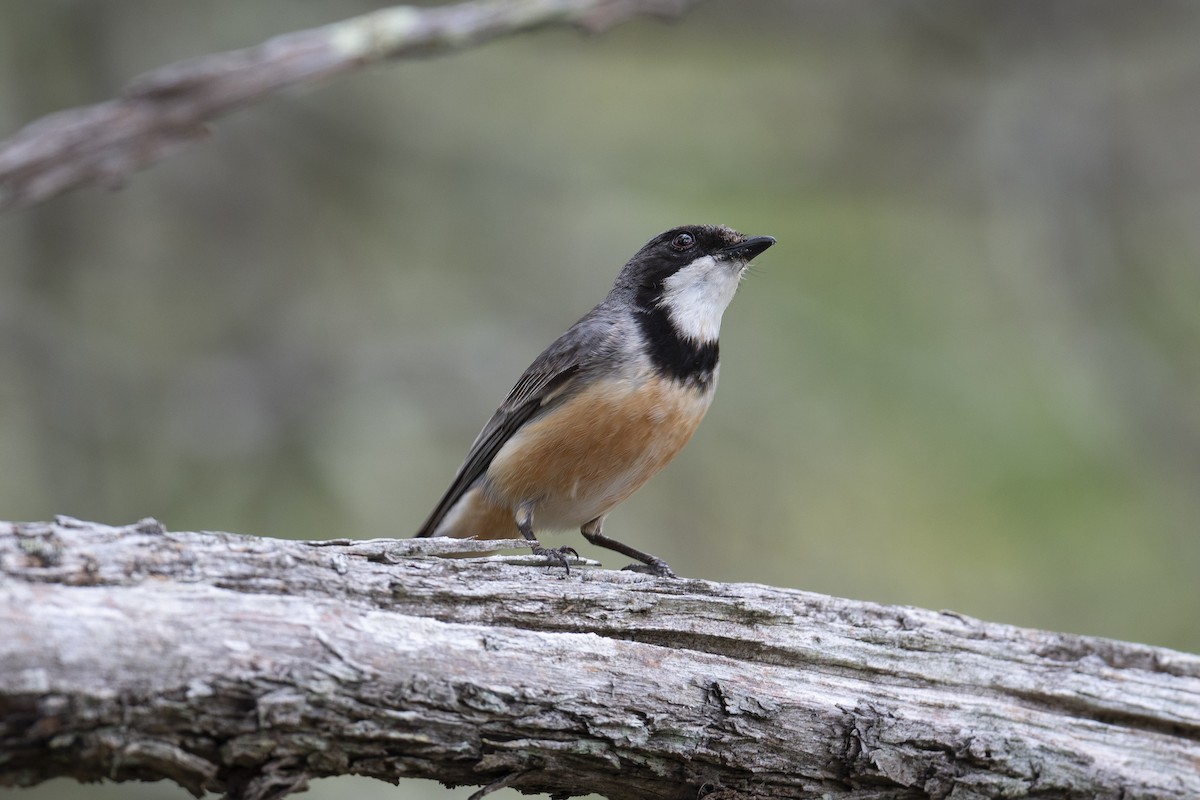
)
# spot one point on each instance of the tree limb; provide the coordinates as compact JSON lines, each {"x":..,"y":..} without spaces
{"x":162,"y":111}
{"x":245,"y":665}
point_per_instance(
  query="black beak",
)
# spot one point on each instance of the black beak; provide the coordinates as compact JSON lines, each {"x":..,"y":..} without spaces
{"x":750,"y":248}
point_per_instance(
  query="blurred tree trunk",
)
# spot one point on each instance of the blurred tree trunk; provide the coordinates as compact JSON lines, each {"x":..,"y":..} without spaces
{"x":163,"y":111}
{"x":245,"y":665}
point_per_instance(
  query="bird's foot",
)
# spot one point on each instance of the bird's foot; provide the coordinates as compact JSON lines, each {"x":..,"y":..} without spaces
{"x":654,"y":566}
{"x":557,"y":555}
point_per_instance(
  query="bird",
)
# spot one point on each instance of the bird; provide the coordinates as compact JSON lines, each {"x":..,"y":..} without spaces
{"x":607,"y":405}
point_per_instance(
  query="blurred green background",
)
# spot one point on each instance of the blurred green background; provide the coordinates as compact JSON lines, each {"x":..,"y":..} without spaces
{"x":968,"y":377}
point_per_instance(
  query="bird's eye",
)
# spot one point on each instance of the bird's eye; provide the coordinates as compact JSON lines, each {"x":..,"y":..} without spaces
{"x":683,"y":241}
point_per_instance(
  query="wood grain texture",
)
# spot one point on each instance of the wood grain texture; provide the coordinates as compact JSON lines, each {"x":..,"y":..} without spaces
{"x":244,"y":665}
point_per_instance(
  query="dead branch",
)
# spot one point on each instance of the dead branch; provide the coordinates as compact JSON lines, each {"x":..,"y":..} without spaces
{"x":163,"y":111}
{"x":245,"y":665}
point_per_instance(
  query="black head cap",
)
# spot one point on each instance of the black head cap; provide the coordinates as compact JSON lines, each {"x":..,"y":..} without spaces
{"x":677,"y":287}
{"x":672,"y":250}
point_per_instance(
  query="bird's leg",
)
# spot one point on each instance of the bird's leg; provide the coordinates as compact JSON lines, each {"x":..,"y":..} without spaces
{"x":525,"y":526}
{"x":593,"y":532}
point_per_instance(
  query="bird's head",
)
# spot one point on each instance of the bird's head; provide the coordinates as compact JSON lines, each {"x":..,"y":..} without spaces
{"x":691,"y":273}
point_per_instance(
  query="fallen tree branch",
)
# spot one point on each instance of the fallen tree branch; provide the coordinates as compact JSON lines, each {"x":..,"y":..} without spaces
{"x":245,"y":665}
{"x":167,"y":109}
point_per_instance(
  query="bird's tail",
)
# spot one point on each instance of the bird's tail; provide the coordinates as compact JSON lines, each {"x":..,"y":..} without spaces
{"x":469,"y":514}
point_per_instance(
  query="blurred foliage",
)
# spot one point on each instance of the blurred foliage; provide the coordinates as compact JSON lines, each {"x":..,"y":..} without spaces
{"x":968,"y":376}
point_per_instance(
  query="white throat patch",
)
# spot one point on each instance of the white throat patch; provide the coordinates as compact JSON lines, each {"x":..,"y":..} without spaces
{"x":696,"y":296}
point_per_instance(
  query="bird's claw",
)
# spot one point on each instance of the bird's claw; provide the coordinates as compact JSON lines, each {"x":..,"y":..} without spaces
{"x":557,"y":555}
{"x":654,"y":567}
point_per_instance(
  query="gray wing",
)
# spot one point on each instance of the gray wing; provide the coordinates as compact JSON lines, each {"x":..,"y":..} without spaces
{"x":550,"y":378}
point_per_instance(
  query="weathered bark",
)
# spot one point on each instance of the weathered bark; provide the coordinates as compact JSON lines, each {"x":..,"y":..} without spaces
{"x":247,"y":665}
{"x":167,"y":109}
